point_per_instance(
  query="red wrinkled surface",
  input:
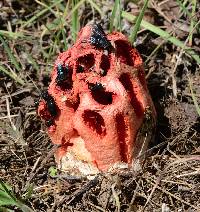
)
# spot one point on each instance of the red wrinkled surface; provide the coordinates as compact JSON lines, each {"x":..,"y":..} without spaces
{"x":99,"y":127}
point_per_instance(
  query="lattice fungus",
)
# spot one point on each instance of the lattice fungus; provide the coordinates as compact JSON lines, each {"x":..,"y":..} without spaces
{"x":97,"y":106}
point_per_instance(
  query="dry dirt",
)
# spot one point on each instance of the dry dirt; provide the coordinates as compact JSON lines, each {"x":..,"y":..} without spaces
{"x":169,"y":179}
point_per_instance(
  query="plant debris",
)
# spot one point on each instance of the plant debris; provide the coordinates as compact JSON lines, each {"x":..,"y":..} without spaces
{"x":34,"y":33}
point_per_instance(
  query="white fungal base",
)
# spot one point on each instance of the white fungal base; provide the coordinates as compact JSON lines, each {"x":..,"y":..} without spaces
{"x":75,"y":167}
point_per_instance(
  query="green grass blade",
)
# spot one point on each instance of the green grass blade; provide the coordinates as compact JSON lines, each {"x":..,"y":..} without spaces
{"x":32,"y":61}
{"x":24,"y":207}
{"x":75,"y":21}
{"x":165,"y":35}
{"x":12,"y":35}
{"x":64,"y":39}
{"x":96,"y":7}
{"x":182,"y":6}
{"x":120,"y":18}
{"x":12,"y":75}
{"x":194,"y":97}
{"x":153,"y":52}
{"x":47,"y":7}
{"x":34,"y":18}
{"x":11,"y":56}
{"x":62,"y":21}
{"x":39,"y":14}
{"x":116,"y":13}
{"x":192,"y":22}
{"x":7,"y":198}
{"x":29,"y":191}
{"x":3,"y":209}
{"x":76,"y":7}
{"x":138,"y":23}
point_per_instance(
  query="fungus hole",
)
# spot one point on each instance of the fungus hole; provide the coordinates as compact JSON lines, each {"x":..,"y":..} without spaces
{"x":123,"y":51}
{"x":86,"y":63}
{"x":105,"y":64}
{"x":67,"y":85}
{"x":122,"y":136}
{"x":102,"y":97}
{"x":94,"y":121}
{"x":132,"y":91}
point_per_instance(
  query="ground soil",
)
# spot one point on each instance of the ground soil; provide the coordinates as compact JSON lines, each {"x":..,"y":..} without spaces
{"x":169,"y":179}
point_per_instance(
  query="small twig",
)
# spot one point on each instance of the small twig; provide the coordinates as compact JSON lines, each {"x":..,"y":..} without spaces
{"x":174,"y":86}
{"x":163,"y":2}
{"x":174,"y":196}
{"x":69,"y":177}
{"x":172,"y":153}
{"x":15,"y":115}
{"x":152,"y":191}
{"x":181,"y":160}
{"x":97,"y":207}
{"x":134,"y":196}
{"x":16,"y":93}
{"x":178,"y":183}
{"x":197,"y":172}
{"x":87,"y":187}
{"x":35,"y":165}
{"x":9,"y":116}
{"x":152,"y":53}
{"x":116,"y":197}
{"x":32,"y":174}
{"x":157,"y":8}
{"x":150,"y":151}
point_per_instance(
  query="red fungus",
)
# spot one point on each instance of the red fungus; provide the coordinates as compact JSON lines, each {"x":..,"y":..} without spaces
{"x":103,"y":104}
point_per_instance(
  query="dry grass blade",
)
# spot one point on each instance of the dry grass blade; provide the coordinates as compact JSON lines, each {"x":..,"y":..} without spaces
{"x":172,"y":195}
{"x":174,"y":84}
{"x":194,"y":97}
{"x":39,"y":14}
{"x":165,"y":35}
{"x":152,"y":191}
{"x":35,"y":34}
{"x":12,"y":75}
{"x":116,"y":197}
{"x":153,"y":52}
